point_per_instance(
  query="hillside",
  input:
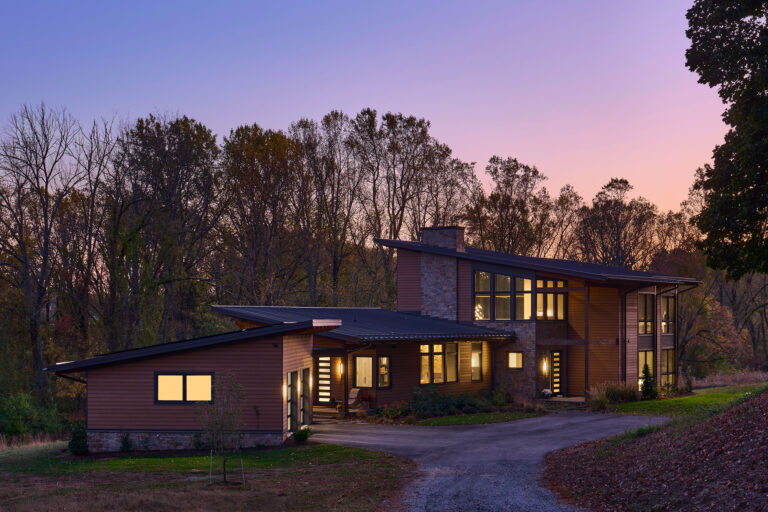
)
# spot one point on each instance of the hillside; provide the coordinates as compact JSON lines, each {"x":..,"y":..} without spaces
{"x":720,"y":463}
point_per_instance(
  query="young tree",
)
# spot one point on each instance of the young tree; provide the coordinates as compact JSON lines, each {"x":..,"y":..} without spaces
{"x":648,"y":388}
{"x":222,"y":419}
{"x":729,"y":49}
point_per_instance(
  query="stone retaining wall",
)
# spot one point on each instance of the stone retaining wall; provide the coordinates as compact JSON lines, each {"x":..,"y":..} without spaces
{"x":110,"y":441}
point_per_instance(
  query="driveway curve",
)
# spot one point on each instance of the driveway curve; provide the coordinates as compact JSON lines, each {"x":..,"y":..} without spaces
{"x":482,"y":467}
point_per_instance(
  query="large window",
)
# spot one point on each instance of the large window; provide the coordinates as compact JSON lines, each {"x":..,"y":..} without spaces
{"x":493,"y":296}
{"x":668,"y":315}
{"x":477,"y":362}
{"x":523,"y":298}
{"x":184,"y":387}
{"x":644,"y":357}
{"x":439,"y":363}
{"x":550,"y":306}
{"x":645,"y":314}
{"x":385,"y":372}
{"x":363,"y":371}
{"x":668,"y":371}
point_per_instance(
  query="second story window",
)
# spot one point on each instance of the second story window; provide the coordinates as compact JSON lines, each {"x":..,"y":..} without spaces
{"x":668,"y":315}
{"x":523,"y":300}
{"x":645,"y":313}
{"x":550,"y":306}
{"x":493,"y":296}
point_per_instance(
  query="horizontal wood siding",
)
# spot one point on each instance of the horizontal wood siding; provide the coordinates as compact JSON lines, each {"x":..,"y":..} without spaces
{"x":604,"y":314}
{"x":408,"y":280}
{"x":464,"y":291}
{"x":297,"y":355}
{"x":631,"y":369}
{"x":576,"y":312}
{"x":603,"y":366}
{"x":123,"y":396}
{"x":575,"y":374}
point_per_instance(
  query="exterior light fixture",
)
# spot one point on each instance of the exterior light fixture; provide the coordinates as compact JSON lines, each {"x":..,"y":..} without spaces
{"x":285,"y":391}
{"x":544,"y":366}
{"x":341,"y":368}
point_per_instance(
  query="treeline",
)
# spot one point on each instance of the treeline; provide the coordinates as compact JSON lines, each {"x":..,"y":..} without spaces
{"x":114,"y":237}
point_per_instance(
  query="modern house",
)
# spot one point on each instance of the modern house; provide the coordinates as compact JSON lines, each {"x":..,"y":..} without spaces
{"x":466,"y":320}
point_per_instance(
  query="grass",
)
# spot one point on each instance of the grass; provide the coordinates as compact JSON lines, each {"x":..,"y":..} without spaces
{"x":309,"y":477}
{"x":702,"y":403}
{"x":478,"y":418}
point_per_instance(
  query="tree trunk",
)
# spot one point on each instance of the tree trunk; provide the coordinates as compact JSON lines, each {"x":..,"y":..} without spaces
{"x":37,"y":352}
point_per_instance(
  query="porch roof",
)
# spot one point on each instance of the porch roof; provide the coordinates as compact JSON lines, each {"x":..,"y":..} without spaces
{"x":368,"y":324}
{"x":578,"y":269}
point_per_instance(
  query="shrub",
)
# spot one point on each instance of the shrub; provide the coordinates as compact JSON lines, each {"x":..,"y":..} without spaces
{"x":428,"y":403}
{"x":394,"y":411}
{"x":78,"y":445}
{"x":21,"y":416}
{"x":301,"y":436}
{"x":501,"y":398}
{"x":602,"y":395}
{"x":197,"y":441}
{"x":125,"y":442}
{"x":648,"y":388}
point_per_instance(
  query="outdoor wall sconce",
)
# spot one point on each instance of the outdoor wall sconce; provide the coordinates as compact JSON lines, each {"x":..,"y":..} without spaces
{"x":544,"y":366}
{"x":341,"y":368}
{"x":285,"y":391}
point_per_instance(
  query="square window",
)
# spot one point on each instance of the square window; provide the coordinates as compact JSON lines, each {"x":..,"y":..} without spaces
{"x":516,"y":360}
{"x":502,"y":307}
{"x":199,"y":388}
{"x":502,"y":283}
{"x":482,"y":281}
{"x":482,"y":307}
{"x":170,"y":388}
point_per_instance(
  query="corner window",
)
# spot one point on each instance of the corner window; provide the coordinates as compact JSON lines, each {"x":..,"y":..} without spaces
{"x":363,"y":371}
{"x":183,"y":387}
{"x":644,"y":357}
{"x":550,"y":306}
{"x":493,"y":296}
{"x":523,"y":298}
{"x":439,"y":363}
{"x":668,"y":315}
{"x":477,"y":362}
{"x":645,"y":313}
{"x":668,"y":374}
{"x":384,"y":372}
{"x":515,"y":360}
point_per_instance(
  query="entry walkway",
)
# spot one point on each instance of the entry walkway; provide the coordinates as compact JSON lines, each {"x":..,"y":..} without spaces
{"x":482,"y":467}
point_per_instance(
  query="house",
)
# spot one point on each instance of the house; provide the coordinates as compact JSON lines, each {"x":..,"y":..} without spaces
{"x":466,"y":320}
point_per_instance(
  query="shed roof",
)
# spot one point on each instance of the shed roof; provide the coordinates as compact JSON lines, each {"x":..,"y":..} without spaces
{"x":555,"y":266}
{"x":308,"y":325}
{"x":369,"y":324}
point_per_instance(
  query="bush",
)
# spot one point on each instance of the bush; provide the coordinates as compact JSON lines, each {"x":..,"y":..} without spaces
{"x":427,"y":402}
{"x":501,"y":398}
{"x":394,"y":411}
{"x":602,"y":395}
{"x":648,"y":389}
{"x":21,"y":416}
{"x":78,"y":445}
{"x":301,"y":436}
{"x":125,"y":442}
{"x":197,"y":441}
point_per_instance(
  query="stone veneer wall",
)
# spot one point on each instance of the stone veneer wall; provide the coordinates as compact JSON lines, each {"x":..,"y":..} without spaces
{"x":521,"y":384}
{"x":110,"y":441}
{"x":438,"y":286}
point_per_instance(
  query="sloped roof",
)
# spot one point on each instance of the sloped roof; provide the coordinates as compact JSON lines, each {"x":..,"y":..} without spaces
{"x":312,"y":324}
{"x":555,"y":266}
{"x":368,"y":324}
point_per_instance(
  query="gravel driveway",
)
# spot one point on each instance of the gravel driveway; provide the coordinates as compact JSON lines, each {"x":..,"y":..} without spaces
{"x":481,"y":467}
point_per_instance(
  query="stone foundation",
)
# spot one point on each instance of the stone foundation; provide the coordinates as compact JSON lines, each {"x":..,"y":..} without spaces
{"x":110,"y":441}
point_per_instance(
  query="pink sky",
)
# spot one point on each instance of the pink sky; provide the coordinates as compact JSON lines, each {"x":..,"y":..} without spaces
{"x":584,"y":90}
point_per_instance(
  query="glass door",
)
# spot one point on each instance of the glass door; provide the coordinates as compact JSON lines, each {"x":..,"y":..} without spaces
{"x":556,"y":375}
{"x":323,"y":376}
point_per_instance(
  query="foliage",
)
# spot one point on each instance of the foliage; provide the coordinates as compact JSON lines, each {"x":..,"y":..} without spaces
{"x":603,"y":395}
{"x":394,"y":410}
{"x":21,"y":415}
{"x":729,"y":48}
{"x":648,"y":389}
{"x":222,"y":419}
{"x":301,"y":435}
{"x":78,"y":444}
{"x":477,"y":418}
{"x":428,"y":402}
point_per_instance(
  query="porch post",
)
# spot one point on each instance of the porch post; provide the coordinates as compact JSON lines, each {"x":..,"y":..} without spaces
{"x":346,"y":381}
{"x":586,"y":339}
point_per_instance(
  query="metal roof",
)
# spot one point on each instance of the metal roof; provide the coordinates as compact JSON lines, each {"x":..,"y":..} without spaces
{"x":555,"y":266}
{"x":312,"y":324}
{"x":369,"y":324}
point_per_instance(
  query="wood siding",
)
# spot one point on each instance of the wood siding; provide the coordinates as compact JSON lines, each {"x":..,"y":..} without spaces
{"x":123,"y":396}
{"x":631,"y":369}
{"x":603,"y":366}
{"x":408,"y":280}
{"x":297,"y":355}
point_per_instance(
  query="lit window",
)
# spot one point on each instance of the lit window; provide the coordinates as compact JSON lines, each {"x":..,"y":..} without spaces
{"x":668,"y":374}
{"x":451,"y":362}
{"x":645,"y":313}
{"x":384,"y":372}
{"x":477,"y":362}
{"x":493,"y":296}
{"x":550,"y":306}
{"x":644,"y":357}
{"x":184,"y":387}
{"x":439,"y":363}
{"x":668,"y":315}
{"x":516,"y":360}
{"x":363,"y":371}
{"x":426,"y":372}
{"x":522,"y":299}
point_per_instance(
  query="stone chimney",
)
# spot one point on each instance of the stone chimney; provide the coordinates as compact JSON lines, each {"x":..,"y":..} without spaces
{"x":449,"y":237}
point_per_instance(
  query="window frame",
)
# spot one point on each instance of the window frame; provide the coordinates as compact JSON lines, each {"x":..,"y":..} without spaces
{"x":389,"y":370}
{"x":431,"y":355}
{"x":493,"y":293}
{"x":184,"y":375}
{"x":525,"y":292}
{"x":666,"y":371}
{"x":372,"y":357}
{"x":522,"y":360}
{"x":472,"y":351}
{"x":651,"y":367}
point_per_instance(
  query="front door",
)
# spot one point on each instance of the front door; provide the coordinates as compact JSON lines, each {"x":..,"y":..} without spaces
{"x":323,"y":376}
{"x":556,"y":375}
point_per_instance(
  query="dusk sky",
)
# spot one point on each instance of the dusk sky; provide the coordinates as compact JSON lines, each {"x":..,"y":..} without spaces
{"x":584,"y":90}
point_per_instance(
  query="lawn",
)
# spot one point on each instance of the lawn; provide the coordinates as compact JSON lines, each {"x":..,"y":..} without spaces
{"x":311,"y":477}
{"x":702,"y":403}
{"x":477,"y":418}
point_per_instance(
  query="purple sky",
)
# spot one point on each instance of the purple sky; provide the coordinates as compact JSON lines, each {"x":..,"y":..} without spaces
{"x":584,"y":90}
